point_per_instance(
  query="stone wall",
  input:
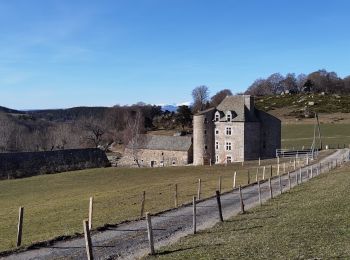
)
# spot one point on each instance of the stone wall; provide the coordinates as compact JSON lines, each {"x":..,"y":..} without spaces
{"x":252,"y":142}
{"x":20,"y":165}
{"x":270,"y":134}
{"x":156,"y":158}
{"x":236,"y":139}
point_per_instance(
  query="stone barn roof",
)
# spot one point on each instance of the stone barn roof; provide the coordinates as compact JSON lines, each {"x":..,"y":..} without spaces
{"x":161,"y":142}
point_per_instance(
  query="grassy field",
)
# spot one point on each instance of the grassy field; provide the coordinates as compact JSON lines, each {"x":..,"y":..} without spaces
{"x":310,"y":222}
{"x":56,"y":204}
{"x":298,"y":135}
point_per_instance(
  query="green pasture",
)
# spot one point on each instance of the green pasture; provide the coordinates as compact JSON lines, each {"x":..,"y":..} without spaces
{"x":310,"y":222}
{"x":299,"y":135}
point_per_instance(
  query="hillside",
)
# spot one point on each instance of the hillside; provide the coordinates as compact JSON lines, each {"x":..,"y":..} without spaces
{"x":301,"y":107}
{"x":9,"y":111}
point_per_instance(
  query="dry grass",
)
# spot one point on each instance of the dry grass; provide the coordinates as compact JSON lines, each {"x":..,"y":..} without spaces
{"x":310,"y":222}
{"x":56,"y":204}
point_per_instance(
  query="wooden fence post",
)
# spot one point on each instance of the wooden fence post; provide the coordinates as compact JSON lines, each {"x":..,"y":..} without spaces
{"x":175,"y":195}
{"x":284,"y":167}
{"x":194,"y":216}
{"x":264,"y":170}
{"x":234,"y":179}
{"x":289,"y":181}
{"x":270,"y":187}
{"x":280,"y":183}
{"x":88,"y":243}
{"x":20,"y":226}
{"x":295,"y":164}
{"x":199,"y":191}
{"x":312,"y":172}
{"x":219,"y":184}
{"x":270,"y":171}
{"x":278,"y":169}
{"x":91,"y":208}
{"x":296,"y":178}
{"x":241,"y":199}
{"x":259,"y":191}
{"x":219,"y":205}
{"x":248,"y":177}
{"x":300,"y":176}
{"x":143,"y":203}
{"x":150,"y":233}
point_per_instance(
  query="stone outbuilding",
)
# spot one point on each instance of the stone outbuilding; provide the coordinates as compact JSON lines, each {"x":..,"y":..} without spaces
{"x":159,"y":151}
{"x":234,"y":131}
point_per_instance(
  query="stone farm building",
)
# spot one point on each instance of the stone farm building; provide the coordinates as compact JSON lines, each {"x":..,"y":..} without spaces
{"x":234,"y":131}
{"x":159,"y":151}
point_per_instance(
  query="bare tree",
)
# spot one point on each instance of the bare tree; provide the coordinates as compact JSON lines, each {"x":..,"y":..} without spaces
{"x":6,"y":128}
{"x":200,"y":98}
{"x":133,"y":137}
{"x":94,"y":131}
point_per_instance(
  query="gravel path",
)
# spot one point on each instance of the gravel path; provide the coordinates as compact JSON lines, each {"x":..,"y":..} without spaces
{"x":129,"y":240}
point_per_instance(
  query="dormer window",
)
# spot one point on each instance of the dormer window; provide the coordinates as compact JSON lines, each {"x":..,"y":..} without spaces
{"x":230,"y":115}
{"x":217,"y":116}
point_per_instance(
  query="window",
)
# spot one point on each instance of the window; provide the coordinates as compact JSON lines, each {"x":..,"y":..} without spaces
{"x":206,"y":147}
{"x":228,"y":159}
{"x":228,"y":146}
{"x":174,"y":162}
{"x":217,"y":158}
{"x":216,"y":145}
{"x":228,"y":117}
{"x":205,"y":120}
{"x":216,"y":132}
{"x":228,"y":131}
{"x":217,"y":116}
{"x":205,"y":132}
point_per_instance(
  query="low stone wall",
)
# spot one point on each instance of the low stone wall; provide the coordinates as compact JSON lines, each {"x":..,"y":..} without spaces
{"x":20,"y":165}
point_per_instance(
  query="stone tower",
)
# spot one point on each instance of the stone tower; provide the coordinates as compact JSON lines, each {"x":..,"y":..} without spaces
{"x":203,"y":133}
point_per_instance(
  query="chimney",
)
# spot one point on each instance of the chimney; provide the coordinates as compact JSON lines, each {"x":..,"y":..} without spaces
{"x":249,"y":103}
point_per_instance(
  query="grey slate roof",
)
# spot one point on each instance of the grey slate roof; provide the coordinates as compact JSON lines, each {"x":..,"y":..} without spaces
{"x":161,"y":142}
{"x":233,"y":103}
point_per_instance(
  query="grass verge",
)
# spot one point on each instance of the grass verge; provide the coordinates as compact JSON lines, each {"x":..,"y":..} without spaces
{"x":310,"y":222}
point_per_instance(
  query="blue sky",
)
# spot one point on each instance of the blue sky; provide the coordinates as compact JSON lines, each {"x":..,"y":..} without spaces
{"x":65,"y":53}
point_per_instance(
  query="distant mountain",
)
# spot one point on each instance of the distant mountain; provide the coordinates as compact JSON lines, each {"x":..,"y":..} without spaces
{"x":173,"y":107}
{"x":10,"y":111}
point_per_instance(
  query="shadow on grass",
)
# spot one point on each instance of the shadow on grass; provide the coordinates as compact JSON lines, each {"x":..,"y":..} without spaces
{"x":167,"y":252}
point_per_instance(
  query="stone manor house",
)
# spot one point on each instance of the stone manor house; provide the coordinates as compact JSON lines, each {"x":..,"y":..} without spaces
{"x":234,"y":131}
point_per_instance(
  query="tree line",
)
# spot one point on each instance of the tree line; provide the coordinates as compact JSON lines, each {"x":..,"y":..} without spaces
{"x":315,"y":82}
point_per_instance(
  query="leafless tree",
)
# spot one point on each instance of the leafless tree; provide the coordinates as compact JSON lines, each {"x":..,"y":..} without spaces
{"x":133,"y":136}
{"x":6,"y":128}
{"x":200,"y":97}
{"x":93,"y":130}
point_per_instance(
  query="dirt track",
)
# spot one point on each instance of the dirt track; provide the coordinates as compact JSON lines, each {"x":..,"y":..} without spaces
{"x":129,"y":240}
